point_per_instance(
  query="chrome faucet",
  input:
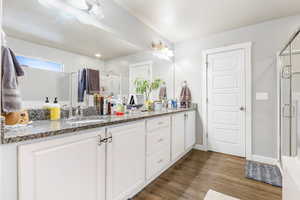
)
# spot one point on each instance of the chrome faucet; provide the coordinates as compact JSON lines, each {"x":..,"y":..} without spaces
{"x":78,"y":112}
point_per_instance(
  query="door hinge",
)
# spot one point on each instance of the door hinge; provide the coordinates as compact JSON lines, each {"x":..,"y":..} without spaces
{"x":206,"y":65}
{"x":206,"y":100}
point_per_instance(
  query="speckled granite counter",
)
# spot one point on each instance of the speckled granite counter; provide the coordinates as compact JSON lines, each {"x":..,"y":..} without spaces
{"x":46,"y":128}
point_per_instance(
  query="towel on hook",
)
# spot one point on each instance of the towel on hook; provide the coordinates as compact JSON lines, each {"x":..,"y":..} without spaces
{"x":93,"y":81}
{"x":10,"y":94}
{"x":81,"y":84}
{"x":88,"y":83}
{"x":163,"y":93}
{"x":185,"y":96}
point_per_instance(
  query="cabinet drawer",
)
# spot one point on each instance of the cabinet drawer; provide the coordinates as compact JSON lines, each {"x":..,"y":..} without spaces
{"x":157,"y":123}
{"x":158,"y":140}
{"x":157,"y":162}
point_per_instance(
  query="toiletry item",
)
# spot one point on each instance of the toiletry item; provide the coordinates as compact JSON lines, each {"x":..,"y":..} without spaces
{"x":113,"y":108}
{"x":164,"y":104}
{"x":119,"y":113}
{"x":47,"y":105}
{"x":120,"y":108}
{"x":125,"y":108}
{"x":97,"y":103}
{"x":157,"y":106}
{"x":55,"y":110}
{"x":105,"y":110}
{"x":124,"y":100}
{"x":174,"y":104}
{"x":170,"y":104}
{"x":109,"y":108}
{"x":101,"y":105}
{"x":149,"y":105}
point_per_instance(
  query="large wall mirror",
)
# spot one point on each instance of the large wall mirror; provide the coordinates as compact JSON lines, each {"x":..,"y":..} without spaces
{"x":53,"y":47}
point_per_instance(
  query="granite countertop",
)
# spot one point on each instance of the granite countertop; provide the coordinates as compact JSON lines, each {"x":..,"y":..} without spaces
{"x":46,"y":128}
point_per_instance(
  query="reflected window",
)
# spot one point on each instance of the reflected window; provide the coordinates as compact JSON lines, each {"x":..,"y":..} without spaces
{"x":40,"y":64}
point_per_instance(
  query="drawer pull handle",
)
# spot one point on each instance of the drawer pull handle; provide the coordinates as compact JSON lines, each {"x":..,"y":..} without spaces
{"x":160,"y":123}
{"x":160,"y":140}
{"x":160,"y":161}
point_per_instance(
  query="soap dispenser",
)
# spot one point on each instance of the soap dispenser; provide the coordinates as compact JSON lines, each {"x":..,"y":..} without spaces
{"x":55,"y":110}
{"x":47,"y":104}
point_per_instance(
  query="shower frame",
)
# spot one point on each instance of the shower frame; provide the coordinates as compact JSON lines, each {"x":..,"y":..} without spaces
{"x":286,"y":51}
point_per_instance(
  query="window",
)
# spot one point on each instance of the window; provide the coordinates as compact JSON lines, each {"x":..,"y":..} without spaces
{"x":40,"y":64}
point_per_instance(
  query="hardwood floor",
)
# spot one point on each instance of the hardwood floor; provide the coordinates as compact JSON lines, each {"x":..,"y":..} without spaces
{"x":192,"y":176}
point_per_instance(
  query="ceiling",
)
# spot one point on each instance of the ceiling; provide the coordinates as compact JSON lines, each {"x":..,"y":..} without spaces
{"x":29,"y":20}
{"x":180,"y":20}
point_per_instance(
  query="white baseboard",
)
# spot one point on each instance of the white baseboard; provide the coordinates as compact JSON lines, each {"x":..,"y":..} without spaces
{"x":200,"y":147}
{"x":263,"y":159}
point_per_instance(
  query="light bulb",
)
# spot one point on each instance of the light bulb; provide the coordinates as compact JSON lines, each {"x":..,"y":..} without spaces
{"x":79,"y":4}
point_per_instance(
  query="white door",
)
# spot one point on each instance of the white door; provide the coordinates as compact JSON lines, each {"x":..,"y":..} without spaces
{"x":69,"y":168}
{"x":178,"y":135}
{"x":190,"y":129}
{"x":126,"y":160}
{"x":142,"y":71}
{"x":226,"y":102}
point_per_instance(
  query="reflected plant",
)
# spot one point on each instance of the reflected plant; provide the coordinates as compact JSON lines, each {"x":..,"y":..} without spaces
{"x":146,"y":87}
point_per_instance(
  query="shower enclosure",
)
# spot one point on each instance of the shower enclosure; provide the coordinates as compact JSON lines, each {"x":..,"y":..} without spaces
{"x":289,"y":97}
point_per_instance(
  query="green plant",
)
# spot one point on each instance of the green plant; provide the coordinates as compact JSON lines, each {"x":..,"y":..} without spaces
{"x":145,"y":87}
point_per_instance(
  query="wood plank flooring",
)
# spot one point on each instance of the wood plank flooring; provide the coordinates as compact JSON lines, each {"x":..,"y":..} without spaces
{"x":192,"y":176}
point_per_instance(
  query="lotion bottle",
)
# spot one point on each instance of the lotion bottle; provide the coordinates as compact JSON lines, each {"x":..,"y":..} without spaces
{"x":55,"y":110}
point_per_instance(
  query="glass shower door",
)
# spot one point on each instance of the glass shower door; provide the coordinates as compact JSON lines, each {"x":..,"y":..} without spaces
{"x":295,"y":136}
{"x":290,"y":98}
{"x":285,"y":102}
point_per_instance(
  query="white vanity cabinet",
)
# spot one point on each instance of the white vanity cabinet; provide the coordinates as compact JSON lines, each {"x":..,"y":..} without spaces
{"x":125,"y":160}
{"x":66,"y":168}
{"x":112,"y":163}
{"x":178,"y":135}
{"x":190,"y":129}
{"x":158,"y":145}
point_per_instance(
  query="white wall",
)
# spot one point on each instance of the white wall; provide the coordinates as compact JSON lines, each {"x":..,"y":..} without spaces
{"x":268,"y":38}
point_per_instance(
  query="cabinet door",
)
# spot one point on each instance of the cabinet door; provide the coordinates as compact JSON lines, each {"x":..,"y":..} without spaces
{"x":69,"y":168}
{"x":190,"y":127}
{"x":178,"y":134}
{"x":125,"y":160}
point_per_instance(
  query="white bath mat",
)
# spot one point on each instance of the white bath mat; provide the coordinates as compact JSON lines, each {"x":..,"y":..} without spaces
{"x":213,"y":195}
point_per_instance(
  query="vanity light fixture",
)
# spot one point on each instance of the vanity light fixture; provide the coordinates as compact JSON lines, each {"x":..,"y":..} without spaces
{"x":98,"y":55}
{"x":162,"y":51}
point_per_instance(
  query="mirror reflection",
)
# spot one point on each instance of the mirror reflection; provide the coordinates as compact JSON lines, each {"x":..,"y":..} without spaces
{"x":76,"y":59}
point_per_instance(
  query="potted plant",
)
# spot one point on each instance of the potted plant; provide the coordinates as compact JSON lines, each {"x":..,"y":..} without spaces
{"x":146,"y":87}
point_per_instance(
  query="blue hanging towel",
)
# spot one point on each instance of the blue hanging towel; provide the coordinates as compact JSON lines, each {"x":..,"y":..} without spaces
{"x":82,"y":83}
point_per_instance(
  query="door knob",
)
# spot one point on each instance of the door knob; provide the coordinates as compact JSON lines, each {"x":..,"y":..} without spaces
{"x":242,"y":108}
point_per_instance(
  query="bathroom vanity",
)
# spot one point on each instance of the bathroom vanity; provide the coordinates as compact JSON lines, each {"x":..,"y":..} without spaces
{"x":105,"y":157}
{"x":113,"y":159}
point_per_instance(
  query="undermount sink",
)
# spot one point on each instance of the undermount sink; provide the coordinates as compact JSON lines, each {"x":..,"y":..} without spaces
{"x":85,"y":120}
